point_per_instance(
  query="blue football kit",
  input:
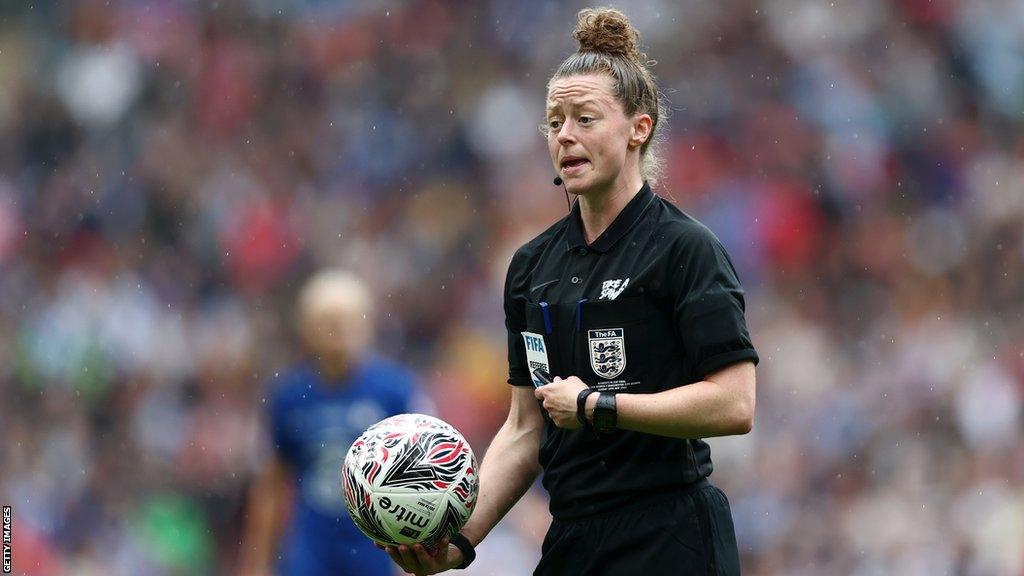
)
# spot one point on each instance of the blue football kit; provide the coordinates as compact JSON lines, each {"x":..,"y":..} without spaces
{"x":313,"y":423}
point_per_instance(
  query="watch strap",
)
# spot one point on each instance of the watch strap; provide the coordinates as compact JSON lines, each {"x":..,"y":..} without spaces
{"x":581,"y":406}
{"x":468,"y":553}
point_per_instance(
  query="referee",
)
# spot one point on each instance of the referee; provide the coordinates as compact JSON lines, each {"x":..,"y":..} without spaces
{"x":627,"y":344}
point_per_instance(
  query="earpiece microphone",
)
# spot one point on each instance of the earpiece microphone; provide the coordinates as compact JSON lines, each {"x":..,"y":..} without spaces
{"x":559,"y":182}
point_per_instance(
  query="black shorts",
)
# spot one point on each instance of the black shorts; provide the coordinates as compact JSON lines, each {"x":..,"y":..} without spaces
{"x":689,"y":532}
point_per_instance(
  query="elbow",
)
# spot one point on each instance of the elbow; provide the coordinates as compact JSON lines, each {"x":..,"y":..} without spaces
{"x":738,"y":397}
{"x":744,"y":426}
{"x":743,"y":419}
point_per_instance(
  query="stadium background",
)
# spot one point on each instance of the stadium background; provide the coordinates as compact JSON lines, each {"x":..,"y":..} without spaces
{"x":170,"y":172}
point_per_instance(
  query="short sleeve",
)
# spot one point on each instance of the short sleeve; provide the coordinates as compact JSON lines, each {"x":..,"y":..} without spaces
{"x":515,"y":321}
{"x":709,"y":305}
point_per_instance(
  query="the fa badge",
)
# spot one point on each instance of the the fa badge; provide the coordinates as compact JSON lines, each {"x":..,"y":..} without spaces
{"x":607,"y":352}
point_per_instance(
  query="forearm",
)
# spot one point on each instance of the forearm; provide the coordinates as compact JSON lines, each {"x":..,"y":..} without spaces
{"x":506,"y":473}
{"x":720,"y":407}
{"x":262,"y":522}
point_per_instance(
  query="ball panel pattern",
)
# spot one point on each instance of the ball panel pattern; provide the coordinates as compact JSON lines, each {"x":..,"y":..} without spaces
{"x":410,"y":478}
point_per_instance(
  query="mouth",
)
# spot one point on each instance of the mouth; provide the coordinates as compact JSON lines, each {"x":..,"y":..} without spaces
{"x":573,"y":163}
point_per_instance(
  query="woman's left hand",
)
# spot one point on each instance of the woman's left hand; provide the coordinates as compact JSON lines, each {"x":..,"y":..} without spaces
{"x":559,"y":399}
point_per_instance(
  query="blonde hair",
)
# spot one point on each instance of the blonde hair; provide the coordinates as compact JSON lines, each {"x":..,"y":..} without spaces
{"x":332,"y":290}
{"x":609,"y":44}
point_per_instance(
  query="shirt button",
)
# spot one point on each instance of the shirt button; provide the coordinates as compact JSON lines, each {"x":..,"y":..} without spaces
{"x":582,"y":251}
{"x":575,"y":279}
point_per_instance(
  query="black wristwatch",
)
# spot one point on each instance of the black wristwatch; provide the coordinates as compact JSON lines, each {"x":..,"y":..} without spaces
{"x":468,"y":553}
{"x":604,"y":413}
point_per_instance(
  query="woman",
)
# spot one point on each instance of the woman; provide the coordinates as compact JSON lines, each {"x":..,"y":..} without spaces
{"x":636,"y":311}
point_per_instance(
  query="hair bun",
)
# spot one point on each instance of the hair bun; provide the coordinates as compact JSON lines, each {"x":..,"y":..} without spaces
{"x":607,"y":31}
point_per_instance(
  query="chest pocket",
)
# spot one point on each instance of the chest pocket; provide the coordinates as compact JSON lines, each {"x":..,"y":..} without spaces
{"x":555,"y":324}
{"x":622,"y":344}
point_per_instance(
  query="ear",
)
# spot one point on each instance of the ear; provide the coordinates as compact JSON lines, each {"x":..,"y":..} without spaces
{"x":641,"y":130}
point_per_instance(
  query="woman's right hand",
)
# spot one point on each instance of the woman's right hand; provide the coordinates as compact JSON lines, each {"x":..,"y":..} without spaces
{"x":415,"y":559}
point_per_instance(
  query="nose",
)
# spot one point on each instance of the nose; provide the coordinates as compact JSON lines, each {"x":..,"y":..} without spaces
{"x":565,"y":133}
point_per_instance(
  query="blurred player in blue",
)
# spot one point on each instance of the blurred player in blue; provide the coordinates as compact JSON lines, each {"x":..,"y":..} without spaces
{"x":318,"y":408}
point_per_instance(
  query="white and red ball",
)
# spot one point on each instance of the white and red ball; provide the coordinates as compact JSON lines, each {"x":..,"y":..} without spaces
{"x":410,"y":478}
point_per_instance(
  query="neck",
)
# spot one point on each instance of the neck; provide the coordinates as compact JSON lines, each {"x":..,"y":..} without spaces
{"x":599,"y":208}
{"x":334,"y":373}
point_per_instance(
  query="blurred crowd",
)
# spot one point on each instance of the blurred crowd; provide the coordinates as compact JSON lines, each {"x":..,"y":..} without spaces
{"x":171,"y":171}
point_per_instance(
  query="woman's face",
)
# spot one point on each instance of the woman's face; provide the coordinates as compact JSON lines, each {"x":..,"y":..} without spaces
{"x":590,"y":138}
{"x":336,"y":332}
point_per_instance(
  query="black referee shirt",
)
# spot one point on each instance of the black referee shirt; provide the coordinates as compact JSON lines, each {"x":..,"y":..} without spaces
{"x":651,"y":304}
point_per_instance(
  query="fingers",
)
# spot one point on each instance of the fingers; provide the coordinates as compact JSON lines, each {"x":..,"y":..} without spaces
{"x":418,"y":560}
{"x":541,"y":392}
{"x":441,"y":553}
{"x":558,"y":399}
{"x":409,"y":561}
{"x":422,"y":556}
{"x":396,"y":557}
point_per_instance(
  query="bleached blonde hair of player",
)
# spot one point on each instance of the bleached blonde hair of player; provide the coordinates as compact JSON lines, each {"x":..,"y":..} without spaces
{"x":341,"y":294}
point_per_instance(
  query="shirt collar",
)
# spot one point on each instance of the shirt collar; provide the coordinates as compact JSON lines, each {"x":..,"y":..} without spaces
{"x":629,"y":216}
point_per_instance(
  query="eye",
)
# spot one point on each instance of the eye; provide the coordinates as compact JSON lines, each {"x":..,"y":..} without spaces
{"x":554,"y":124}
{"x":586,"y":119}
